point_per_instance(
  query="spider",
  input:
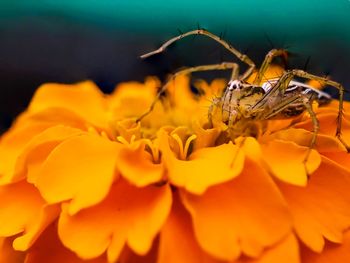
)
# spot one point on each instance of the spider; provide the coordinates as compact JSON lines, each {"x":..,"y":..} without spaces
{"x":245,"y":106}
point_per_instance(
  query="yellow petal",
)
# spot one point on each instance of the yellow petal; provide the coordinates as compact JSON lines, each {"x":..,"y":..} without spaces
{"x":204,"y":168}
{"x":244,"y":215}
{"x":128,"y":215}
{"x":251,"y":148}
{"x":286,"y":161}
{"x":82,"y":169}
{"x":136,"y":165}
{"x":205,"y":137}
{"x":128,"y":129}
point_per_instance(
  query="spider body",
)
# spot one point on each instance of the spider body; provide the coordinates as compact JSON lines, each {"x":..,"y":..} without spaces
{"x":237,"y":105}
{"x":236,"y":102}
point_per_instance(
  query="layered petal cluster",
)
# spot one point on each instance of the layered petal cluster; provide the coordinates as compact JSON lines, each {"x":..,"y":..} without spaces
{"x":82,"y":181}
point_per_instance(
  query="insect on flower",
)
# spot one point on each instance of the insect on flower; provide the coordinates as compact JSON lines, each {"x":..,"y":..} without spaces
{"x":244,"y":107}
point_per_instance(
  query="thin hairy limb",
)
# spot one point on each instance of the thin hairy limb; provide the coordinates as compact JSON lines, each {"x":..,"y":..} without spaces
{"x":304,"y":100}
{"x":316,"y":127}
{"x":244,"y":58}
{"x":267,"y":62}
{"x":215,"y":103}
{"x":341,"y":90}
{"x":221,"y":66}
{"x":275,"y":92}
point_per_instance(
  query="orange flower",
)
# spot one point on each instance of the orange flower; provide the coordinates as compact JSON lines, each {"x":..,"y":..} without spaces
{"x":81,"y":181}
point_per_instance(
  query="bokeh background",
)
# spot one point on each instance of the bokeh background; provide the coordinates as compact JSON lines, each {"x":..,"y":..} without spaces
{"x":72,"y":40}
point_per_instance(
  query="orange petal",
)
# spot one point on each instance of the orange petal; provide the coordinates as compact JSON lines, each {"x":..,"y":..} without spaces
{"x":205,"y":167}
{"x":180,"y":92}
{"x":82,"y":169}
{"x":7,"y":253}
{"x":332,"y":253}
{"x":324,"y":143}
{"x":286,"y":161}
{"x":333,"y":107}
{"x":128,"y":215}
{"x":84,"y":99}
{"x":277,"y":125}
{"x":11,"y":145}
{"x":128,"y":256}
{"x":29,"y":162}
{"x":132,"y":99}
{"x":20,"y":204}
{"x":23,"y":210}
{"x":47,"y":215}
{"x":322,"y":208}
{"x":287,"y":249}
{"x":341,"y":158}
{"x":52,"y":117}
{"x":177,"y":242}
{"x":212,"y":90}
{"x":245,"y":215}
{"x":136,"y":165}
{"x":328,"y":125}
{"x":49,"y":248}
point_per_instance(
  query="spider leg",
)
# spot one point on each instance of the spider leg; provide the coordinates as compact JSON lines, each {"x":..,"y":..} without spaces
{"x":316,"y":127}
{"x":275,"y":92}
{"x":267,"y":62}
{"x":244,"y":58}
{"x":221,"y":66}
{"x":282,"y":85}
{"x":214,"y":104}
{"x":341,"y":90}
{"x":304,"y":100}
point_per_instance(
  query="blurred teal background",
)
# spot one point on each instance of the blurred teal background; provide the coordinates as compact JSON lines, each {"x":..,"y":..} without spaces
{"x":69,"y":41}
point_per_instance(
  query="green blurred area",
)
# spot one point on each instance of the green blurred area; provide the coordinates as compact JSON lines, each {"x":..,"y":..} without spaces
{"x":69,"y":41}
{"x":299,"y":18}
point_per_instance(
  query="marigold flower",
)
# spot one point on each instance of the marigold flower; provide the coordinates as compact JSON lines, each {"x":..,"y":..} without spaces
{"x":81,"y":181}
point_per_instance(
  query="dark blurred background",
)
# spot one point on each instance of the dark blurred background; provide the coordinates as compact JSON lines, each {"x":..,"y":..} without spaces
{"x":69,"y":41}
